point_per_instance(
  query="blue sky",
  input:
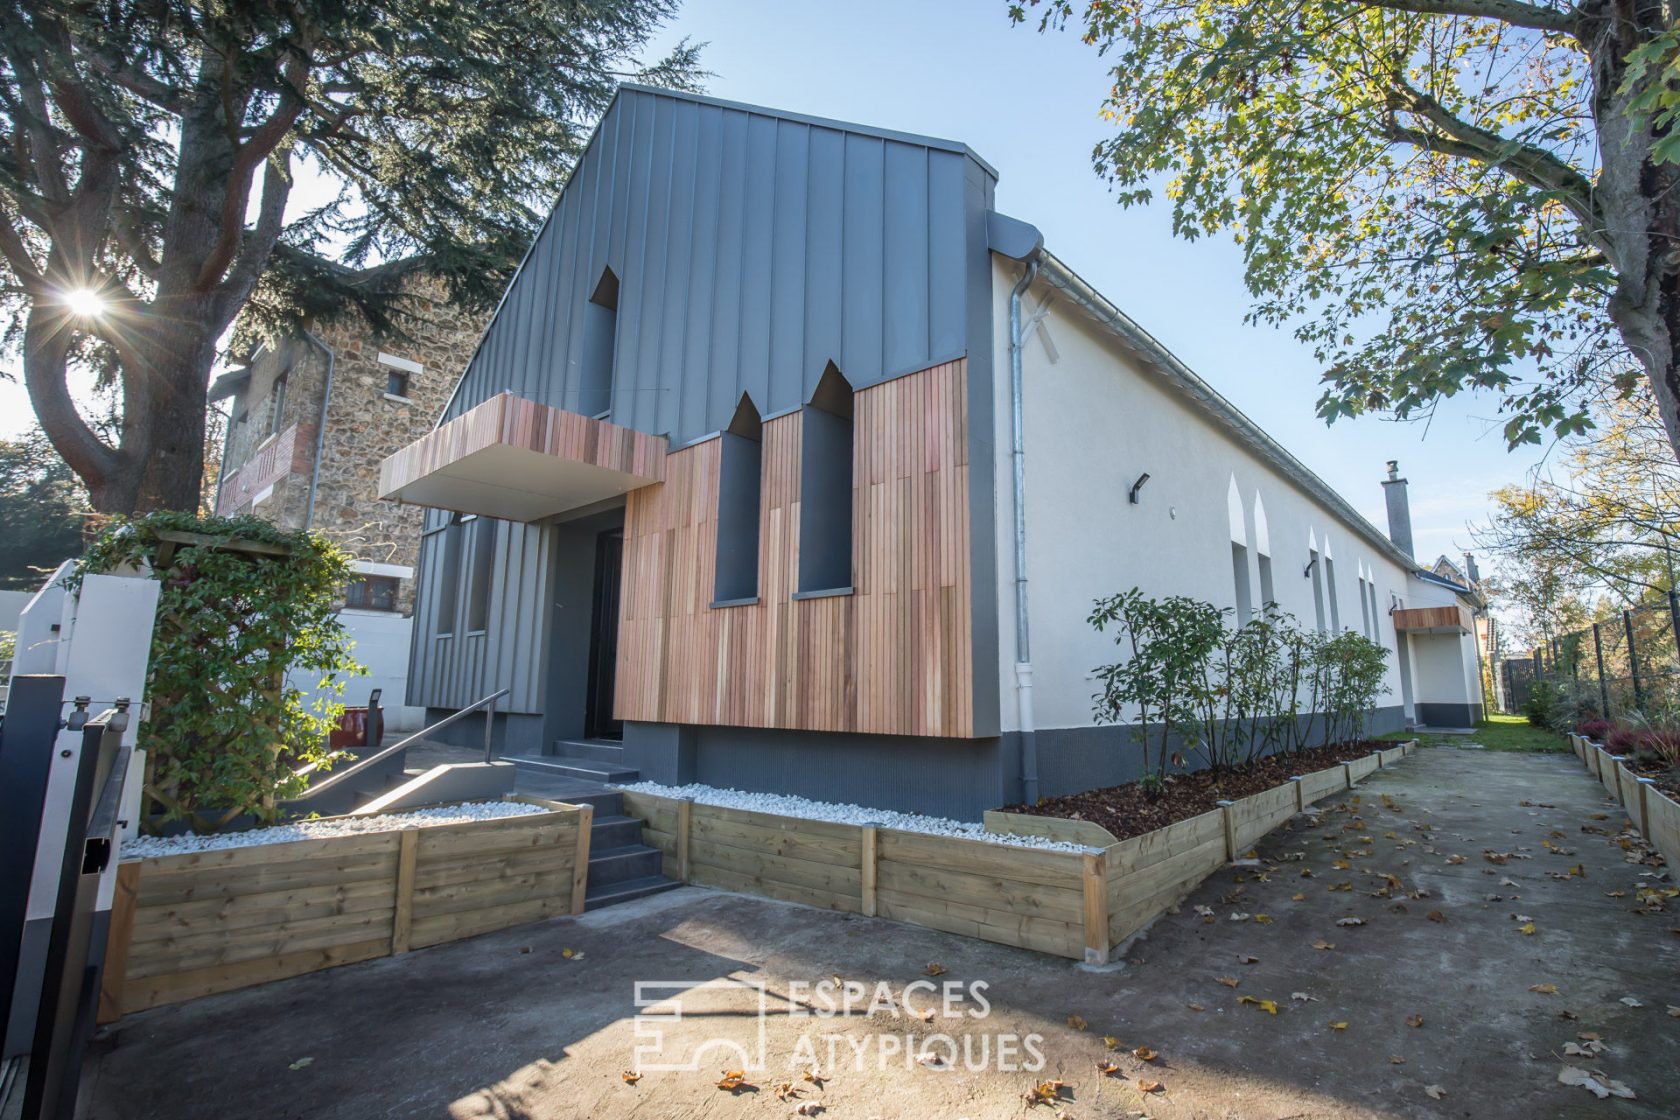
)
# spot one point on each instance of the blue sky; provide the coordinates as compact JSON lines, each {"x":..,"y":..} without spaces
{"x":1028,"y":104}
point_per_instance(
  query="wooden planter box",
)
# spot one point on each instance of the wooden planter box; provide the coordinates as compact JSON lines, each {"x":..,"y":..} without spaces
{"x":192,"y":925}
{"x":1661,"y":824}
{"x":1605,"y":767}
{"x":1069,"y":904}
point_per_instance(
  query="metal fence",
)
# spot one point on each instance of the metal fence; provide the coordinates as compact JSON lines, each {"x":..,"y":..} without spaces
{"x":1629,"y":662}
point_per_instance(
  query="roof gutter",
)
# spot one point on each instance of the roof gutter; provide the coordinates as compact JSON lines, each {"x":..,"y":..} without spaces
{"x":1222,"y":411}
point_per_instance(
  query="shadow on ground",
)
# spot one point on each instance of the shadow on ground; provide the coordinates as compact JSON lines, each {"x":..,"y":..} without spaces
{"x":507,"y":1026}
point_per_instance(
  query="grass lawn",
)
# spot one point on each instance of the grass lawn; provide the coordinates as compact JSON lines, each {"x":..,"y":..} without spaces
{"x":1496,"y":733}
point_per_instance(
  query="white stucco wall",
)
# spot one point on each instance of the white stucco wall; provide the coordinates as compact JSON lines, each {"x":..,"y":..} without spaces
{"x":381,"y":646}
{"x":1095,"y":420}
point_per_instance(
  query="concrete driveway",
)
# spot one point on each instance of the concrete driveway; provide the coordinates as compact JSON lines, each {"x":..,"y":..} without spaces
{"x":508,"y":1025}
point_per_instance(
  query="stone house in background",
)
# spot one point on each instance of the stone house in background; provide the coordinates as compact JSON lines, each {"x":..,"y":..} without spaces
{"x":310,"y":418}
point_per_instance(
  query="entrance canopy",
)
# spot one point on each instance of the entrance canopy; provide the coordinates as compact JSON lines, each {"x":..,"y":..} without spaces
{"x":518,"y":460}
{"x":1453,"y":619}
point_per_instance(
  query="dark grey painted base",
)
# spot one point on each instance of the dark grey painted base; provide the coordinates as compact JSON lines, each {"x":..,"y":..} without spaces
{"x":515,"y":733}
{"x":1449,"y":715}
{"x":1072,"y":759}
{"x":959,"y":778}
{"x":945,"y":777}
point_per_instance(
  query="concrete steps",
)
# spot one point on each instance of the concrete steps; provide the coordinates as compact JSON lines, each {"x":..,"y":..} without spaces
{"x":583,"y":769}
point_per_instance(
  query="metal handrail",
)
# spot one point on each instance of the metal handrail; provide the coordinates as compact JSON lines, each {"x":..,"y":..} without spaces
{"x":338,"y":777}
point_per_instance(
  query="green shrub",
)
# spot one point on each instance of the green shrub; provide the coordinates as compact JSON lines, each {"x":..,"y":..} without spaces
{"x":1234,"y":691}
{"x":241,"y":603}
{"x":1544,"y":698}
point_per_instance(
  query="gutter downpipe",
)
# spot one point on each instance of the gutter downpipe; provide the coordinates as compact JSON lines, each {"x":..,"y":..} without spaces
{"x":320,"y":425}
{"x":1023,"y":637}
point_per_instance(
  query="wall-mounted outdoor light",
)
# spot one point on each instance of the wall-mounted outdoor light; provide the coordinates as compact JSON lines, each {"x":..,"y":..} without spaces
{"x":1306,"y":572}
{"x":1136,"y":486}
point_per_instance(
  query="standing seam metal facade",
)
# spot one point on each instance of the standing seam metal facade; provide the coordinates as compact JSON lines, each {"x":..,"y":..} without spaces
{"x":751,"y":249}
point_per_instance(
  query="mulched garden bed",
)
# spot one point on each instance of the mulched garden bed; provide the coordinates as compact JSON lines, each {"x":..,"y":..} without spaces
{"x":1126,"y":811}
{"x":1665,"y":778}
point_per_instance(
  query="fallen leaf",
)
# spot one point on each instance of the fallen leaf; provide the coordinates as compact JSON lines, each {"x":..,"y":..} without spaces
{"x":1340,"y":1026}
{"x":1150,"y":1086}
{"x":1631,"y":1002}
{"x":302,"y":1063}
{"x":809,"y":1108}
{"x":1302,"y":997}
{"x":1350,"y":921}
{"x":1107,"y":1069}
{"x":1299,"y":897}
{"x":1244,"y":958}
{"x":1526,"y":929}
{"x":1435,"y":1092}
{"x":630,"y":1076}
{"x":1396,"y":1060}
{"x":1266,"y":1005}
{"x":1595,"y":1083}
{"x":1195,"y":1007}
{"x":1145,"y":1054}
{"x":932,"y":1061}
{"x":567,"y":953}
{"x":1045,"y":1092}
{"x":733,"y":1080}
{"x":1229,"y":981}
{"x":1239,"y":917}
{"x":1455,"y":859}
{"x":1673,"y":1012}
{"x":1112,"y":1043}
{"x":1414,"y":1020}
{"x":1263,"y":919}
{"x":1544,"y":989}
{"x":1076,"y":1022}
{"x":1205,"y":911}
{"x":1323,"y":944}
{"x":934,"y":968}
{"x":1436,"y":916}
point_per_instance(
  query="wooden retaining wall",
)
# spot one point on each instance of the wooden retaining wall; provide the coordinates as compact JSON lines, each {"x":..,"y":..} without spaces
{"x":1069,"y":904}
{"x":192,"y":925}
{"x":1654,"y":813}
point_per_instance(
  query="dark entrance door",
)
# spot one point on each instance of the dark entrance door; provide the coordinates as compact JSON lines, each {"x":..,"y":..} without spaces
{"x":598,"y":721}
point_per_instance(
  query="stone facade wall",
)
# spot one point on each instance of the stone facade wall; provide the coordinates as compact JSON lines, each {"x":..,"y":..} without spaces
{"x":364,"y":424}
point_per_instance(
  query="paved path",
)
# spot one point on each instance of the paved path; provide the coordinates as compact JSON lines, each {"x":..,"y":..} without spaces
{"x":506,"y":1026}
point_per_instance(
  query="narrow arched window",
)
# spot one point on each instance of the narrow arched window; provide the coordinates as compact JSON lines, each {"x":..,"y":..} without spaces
{"x":740,"y":489}
{"x":825,"y":487}
{"x":600,"y":341}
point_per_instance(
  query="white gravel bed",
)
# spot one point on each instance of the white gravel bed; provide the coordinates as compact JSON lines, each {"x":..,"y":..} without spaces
{"x":789,"y":806}
{"x":146,"y":847}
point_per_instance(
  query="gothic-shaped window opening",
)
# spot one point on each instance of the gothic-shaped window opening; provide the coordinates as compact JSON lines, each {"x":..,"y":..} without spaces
{"x":825,"y":487}
{"x":740,"y":491}
{"x":600,"y":340}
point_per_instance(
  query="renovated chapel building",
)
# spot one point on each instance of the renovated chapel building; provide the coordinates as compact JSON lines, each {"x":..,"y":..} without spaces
{"x":788,"y":463}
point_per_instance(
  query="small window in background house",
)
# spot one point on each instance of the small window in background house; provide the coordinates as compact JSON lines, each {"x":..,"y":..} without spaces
{"x":372,"y":593}
{"x":279,"y":394}
{"x":483,"y":558}
{"x":600,"y":339}
{"x":740,"y":486}
{"x":825,"y":486}
{"x":396,"y":383}
{"x":449,"y":576}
